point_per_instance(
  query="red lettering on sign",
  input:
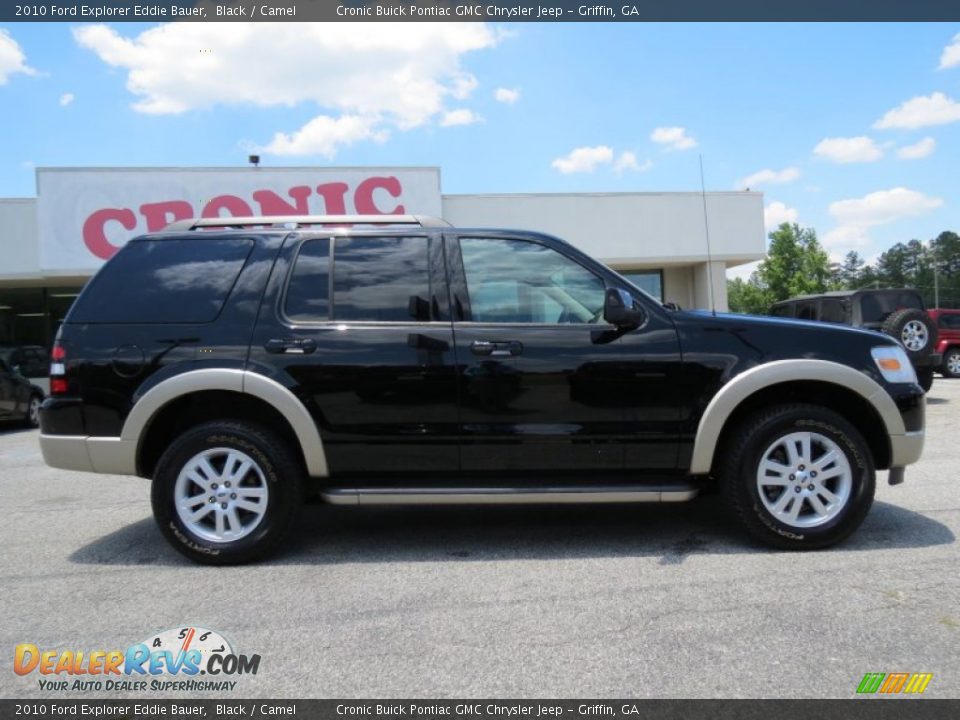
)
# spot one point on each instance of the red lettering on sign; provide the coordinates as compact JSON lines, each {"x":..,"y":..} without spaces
{"x":273,"y":204}
{"x":234,"y":206}
{"x":159,"y":215}
{"x":94,"y":236}
{"x":363,"y":197}
{"x":334,"y":198}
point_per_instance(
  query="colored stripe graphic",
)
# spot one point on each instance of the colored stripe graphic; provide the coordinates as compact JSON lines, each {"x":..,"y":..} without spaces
{"x":870,"y":683}
{"x":893,"y":683}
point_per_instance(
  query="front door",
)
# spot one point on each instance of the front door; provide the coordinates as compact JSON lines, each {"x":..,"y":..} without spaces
{"x":545,"y":383}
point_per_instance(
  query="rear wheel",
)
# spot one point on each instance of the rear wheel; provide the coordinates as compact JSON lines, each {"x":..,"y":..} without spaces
{"x":951,"y":363}
{"x":226,"y":492}
{"x":798,"y":477}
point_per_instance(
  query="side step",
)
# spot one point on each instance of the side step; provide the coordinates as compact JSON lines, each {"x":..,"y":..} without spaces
{"x":509,"y":496}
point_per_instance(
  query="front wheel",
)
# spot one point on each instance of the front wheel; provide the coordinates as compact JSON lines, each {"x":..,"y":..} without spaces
{"x":925,"y":378}
{"x":226,"y":492}
{"x":799,"y":477}
{"x":32,"y":419}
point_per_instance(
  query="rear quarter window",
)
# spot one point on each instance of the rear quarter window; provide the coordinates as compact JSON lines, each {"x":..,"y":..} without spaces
{"x":164,"y":281}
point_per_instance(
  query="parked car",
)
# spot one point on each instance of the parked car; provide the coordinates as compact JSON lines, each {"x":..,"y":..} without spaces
{"x":33,"y":361}
{"x":948,"y":345}
{"x":241,"y":364}
{"x":898,"y":313}
{"x":19,"y":398}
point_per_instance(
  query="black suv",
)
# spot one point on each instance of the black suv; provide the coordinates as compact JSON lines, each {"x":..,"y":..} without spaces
{"x":898,"y":313}
{"x":241,"y":364}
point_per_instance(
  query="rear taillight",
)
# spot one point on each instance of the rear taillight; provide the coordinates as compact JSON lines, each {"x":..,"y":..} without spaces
{"x":58,"y":368}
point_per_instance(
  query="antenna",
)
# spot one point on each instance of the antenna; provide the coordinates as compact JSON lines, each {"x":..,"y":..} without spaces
{"x":706,"y":227}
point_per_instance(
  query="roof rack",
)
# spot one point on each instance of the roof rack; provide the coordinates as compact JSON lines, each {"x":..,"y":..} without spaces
{"x":425,"y":221}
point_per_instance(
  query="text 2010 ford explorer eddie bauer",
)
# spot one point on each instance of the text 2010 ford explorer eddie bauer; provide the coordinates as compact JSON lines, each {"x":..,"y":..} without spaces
{"x":243,"y":363}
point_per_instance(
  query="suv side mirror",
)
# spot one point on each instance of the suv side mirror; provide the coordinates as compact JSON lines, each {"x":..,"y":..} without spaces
{"x":619,"y":309}
{"x":16,"y":370}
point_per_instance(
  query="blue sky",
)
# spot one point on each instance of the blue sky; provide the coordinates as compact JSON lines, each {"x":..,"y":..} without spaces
{"x":853,"y":129}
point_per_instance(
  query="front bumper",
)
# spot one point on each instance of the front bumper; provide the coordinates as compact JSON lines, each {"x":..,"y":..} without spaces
{"x":110,"y":455}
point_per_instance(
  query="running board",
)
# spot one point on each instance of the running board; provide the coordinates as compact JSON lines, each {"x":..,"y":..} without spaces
{"x":509,"y":496}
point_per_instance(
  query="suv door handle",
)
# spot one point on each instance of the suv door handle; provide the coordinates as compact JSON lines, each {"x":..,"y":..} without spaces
{"x":293,"y":346}
{"x":500,"y":349}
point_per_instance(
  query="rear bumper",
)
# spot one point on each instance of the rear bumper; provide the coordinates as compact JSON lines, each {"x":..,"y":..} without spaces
{"x":109,"y":455}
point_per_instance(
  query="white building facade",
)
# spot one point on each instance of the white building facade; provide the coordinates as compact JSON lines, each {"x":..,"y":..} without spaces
{"x":667,"y":243}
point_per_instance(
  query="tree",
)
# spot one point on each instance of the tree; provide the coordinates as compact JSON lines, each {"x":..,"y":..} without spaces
{"x":796,"y":264}
{"x":849,"y":275}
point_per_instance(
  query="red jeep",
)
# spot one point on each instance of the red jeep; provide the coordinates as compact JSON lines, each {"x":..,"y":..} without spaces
{"x":948,"y":322}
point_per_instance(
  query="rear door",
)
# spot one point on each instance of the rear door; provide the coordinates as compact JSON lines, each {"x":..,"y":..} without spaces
{"x":545,"y":383}
{"x":359,"y":329}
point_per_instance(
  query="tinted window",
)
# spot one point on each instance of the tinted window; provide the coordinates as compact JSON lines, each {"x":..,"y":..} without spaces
{"x":831,"y":310}
{"x":875,"y":307}
{"x":308,"y":293}
{"x":951,"y":322}
{"x":163,"y":281}
{"x":519,"y":281}
{"x":384,"y":279}
{"x":806,"y":310}
{"x":780,"y":310}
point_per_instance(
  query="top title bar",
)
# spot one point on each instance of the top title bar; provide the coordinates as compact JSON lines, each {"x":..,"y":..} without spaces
{"x":505,"y":11}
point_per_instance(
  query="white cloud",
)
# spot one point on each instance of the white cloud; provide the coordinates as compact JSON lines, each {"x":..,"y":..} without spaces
{"x":66,"y":99}
{"x":461,"y":116}
{"x":856,"y":215}
{"x":743,"y":272}
{"x":846,"y":238}
{"x":396,"y":76}
{"x":918,"y":150}
{"x":859,"y":149}
{"x":507,"y":95}
{"x":674,"y":138}
{"x":325,"y":135}
{"x":768,"y":177}
{"x":12,"y":58}
{"x":951,"y":54}
{"x":584,"y":159}
{"x":921,"y":111}
{"x":628,"y":161}
{"x":776,"y":213}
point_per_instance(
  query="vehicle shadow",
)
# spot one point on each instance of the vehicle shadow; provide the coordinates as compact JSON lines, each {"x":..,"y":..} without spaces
{"x":13,"y":427}
{"x":936,"y":400}
{"x":328,"y":535}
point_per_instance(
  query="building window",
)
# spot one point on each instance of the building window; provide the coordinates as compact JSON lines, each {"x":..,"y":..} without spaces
{"x":650,"y":281}
{"x":31,"y":315}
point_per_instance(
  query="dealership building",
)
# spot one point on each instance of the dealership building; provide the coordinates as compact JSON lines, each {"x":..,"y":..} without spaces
{"x":52,"y":244}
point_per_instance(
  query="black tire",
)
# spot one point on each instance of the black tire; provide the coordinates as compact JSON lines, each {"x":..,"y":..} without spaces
{"x":739,"y":466}
{"x":951,"y":356}
{"x":32,"y":418}
{"x":913,"y":329}
{"x":925,"y":378}
{"x":279,"y":471}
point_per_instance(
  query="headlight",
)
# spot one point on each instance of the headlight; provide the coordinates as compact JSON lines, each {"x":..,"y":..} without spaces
{"x":894,"y":364}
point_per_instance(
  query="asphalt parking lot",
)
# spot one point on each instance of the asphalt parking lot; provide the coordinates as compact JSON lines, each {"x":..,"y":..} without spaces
{"x":649,"y":601}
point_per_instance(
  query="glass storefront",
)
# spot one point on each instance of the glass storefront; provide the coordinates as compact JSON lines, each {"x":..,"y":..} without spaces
{"x":31,"y":315}
{"x":650,"y":281}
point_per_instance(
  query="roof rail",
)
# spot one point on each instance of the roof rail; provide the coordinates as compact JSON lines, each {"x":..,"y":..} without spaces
{"x":425,"y":221}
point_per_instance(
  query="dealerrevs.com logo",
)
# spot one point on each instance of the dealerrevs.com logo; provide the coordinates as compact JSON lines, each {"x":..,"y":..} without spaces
{"x":189,"y":659}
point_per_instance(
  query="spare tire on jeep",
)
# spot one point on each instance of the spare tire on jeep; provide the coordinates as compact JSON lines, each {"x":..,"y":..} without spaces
{"x":914,"y":329}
